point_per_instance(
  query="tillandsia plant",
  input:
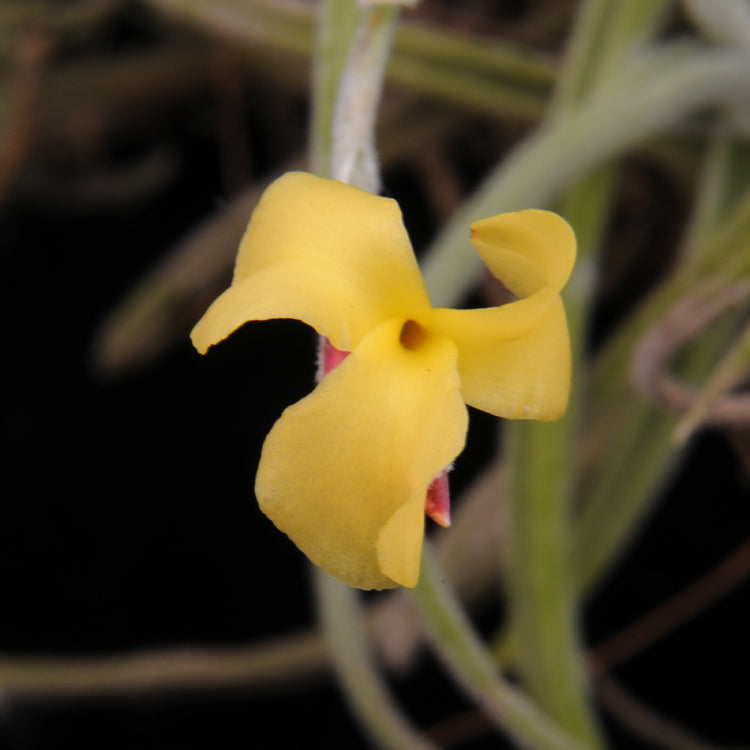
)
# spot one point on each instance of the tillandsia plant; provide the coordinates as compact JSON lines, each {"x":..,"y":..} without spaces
{"x":348,"y":472}
{"x":352,"y":470}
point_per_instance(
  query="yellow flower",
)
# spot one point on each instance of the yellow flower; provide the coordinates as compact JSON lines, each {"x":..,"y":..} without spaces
{"x":345,"y":471}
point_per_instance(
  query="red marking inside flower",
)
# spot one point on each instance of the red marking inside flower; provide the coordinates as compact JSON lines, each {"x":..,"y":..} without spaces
{"x":329,"y":357}
{"x":438,"y":502}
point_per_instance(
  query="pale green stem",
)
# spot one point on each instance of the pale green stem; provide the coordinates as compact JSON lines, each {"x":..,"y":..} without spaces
{"x":340,"y":617}
{"x":353,"y":153}
{"x":641,"y":101}
{"x":636,"y":464}
{"x":337,"y":21}
{"x":470,"y":662}
{"x":543,"y":595}
{"x":541,"y":587}
{"x":541,"y":458}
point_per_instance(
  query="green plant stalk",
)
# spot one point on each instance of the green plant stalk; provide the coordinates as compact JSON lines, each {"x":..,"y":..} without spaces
{"x":640,"y":453}
{"x":340,"y":617}
{"x":541,"y":457}
{"x":543,"y":594}
{"x":638,"y":103}
{"x":337,"y":22}
{"x":353,"y":153}
{"x":539,"y":579}
{"x":586,"y":207}
{"x":471,"y":663}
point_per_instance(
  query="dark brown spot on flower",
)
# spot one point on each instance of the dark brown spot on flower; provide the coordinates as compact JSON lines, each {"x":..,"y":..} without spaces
{"x":412,"y":334}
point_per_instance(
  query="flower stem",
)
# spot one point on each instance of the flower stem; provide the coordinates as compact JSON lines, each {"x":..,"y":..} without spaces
{"x":339,"y":613}
{"x":541,"y":457}
{"x":540,"y":579}
{"x":353,"y":155}
{"x":471,"y":664}
{"x":337,"y":22}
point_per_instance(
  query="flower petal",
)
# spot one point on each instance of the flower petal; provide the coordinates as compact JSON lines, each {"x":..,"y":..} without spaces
{"x":526,"y":250}
{"x":324,"y":252}
{"x":522,"y":377}
{"x":345,"y":471}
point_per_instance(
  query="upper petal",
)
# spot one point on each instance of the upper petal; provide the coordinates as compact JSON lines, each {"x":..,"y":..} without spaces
{"x":514,"y":360}
{"x":345,"y":471}
{"x":526,"y":250}
{"x":520,"y":376}
{"x":324,"y":252}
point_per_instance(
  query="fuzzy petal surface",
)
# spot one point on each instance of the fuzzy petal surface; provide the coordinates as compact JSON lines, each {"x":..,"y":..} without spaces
{"x":324,"y":252}
{"x":521,"y":377}
{"x":345,"y":471}
{"x":526,"y":250}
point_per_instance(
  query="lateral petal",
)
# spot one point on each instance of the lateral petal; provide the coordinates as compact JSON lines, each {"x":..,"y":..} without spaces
{"x":522,"y":375}
{"x":324,"y":252}
{"x":345,"y":471}
{"x":526,"y":250}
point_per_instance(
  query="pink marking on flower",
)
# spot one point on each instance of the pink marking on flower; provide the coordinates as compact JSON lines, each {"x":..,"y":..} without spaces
{"x":438,"y":501}
{"x":329,"y":357}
